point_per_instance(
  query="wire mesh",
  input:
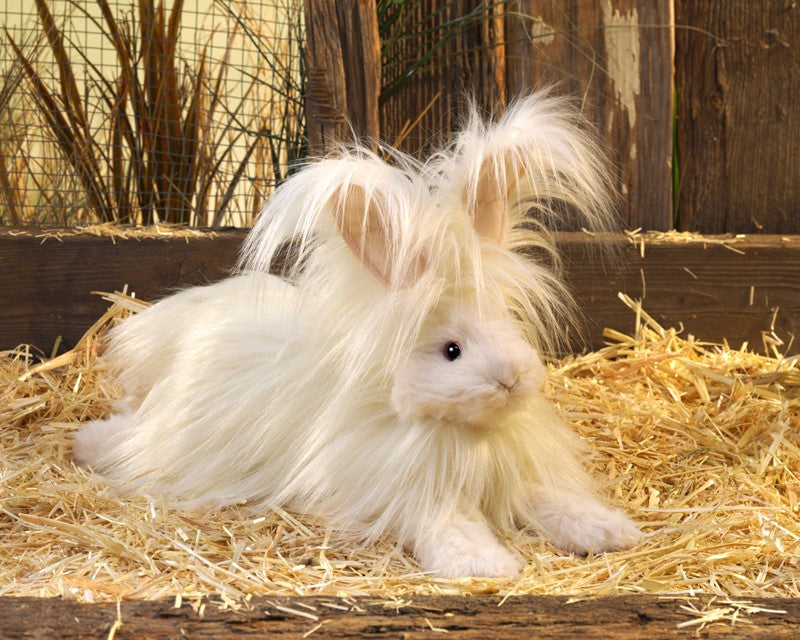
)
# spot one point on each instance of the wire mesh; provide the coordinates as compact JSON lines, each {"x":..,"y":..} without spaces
{"x":147,"y":111}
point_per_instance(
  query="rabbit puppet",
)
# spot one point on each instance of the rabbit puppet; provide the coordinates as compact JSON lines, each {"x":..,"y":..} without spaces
{"x":390,"y":380}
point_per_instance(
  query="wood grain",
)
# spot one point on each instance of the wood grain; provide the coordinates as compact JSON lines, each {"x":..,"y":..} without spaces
{"x":343,"y":68}
{"x":326,"y":92}
{"x":616,"y":58}
{"x":46,"y":284}
{"x":715,"y":288}
{"x":737,"y":74}
{"x":703,"y":284}
{"x":478,"y":617}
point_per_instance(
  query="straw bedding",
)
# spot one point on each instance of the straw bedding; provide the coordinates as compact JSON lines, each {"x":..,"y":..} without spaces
{"x":700,"y":442}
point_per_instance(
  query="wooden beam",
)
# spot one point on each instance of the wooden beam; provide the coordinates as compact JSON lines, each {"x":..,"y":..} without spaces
{"x":715,"y":287}
{"x":47,"y":282}
{"x":636,"y":617}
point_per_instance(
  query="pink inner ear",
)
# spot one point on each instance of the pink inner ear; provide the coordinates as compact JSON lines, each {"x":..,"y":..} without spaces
{"x":493,"y":189}
{"x":359,"y":222}
{"x":362,"y":223}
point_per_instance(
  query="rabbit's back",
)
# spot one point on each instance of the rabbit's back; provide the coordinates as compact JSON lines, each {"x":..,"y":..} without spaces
{"x":142,"y":348}
{"x":180,"y":365}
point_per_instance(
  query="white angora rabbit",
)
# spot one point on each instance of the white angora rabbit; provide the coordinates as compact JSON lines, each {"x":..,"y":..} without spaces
{"x":389,"y":381}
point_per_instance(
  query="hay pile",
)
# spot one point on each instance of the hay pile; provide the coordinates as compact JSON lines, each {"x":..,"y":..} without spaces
{"x":700,"y":442}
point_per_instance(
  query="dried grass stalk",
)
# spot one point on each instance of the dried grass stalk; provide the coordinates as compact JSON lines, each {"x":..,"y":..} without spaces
{"x":700,"y":441}
{"x":158,"y":135}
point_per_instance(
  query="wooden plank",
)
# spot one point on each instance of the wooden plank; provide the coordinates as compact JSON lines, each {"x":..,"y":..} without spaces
{"x":343,"y":76}
{"x":326,"y":94}
{"x":361,"y":49}
{"x":636,"y":617}
{"x":716,"y":288}
{"x":616,"y":57}
{"x":737,"y":82}
{"x":46,"y":284}
{"x":703,"y":284}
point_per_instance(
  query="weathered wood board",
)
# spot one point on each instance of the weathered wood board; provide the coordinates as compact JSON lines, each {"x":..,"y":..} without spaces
{"x":46,"y":284}
{"x":715,"y":288}
{"x":616,"y":56}
{"x":737,"y":75}
{"x":636,"y":617}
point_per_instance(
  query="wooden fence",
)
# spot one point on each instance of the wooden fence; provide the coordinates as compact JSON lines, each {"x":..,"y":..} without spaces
{"x":715,"y":288}
{"x":709,"y":86}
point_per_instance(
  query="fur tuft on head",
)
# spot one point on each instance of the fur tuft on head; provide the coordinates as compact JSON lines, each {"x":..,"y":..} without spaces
{"x":535,"y":169}
{"x":534,"y":166}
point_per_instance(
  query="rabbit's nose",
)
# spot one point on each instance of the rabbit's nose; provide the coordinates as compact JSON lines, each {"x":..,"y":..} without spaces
{"x":504,"y":373}
{"x":508,"y":382}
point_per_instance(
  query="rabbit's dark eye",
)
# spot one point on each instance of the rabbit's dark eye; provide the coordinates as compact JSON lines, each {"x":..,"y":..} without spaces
{"x":452,"y":351}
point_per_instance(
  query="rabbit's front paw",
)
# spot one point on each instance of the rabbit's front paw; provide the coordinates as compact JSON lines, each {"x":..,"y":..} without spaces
{"x":467,"y":547}
{"x":580,"y":523}
{"x":496,"y":562}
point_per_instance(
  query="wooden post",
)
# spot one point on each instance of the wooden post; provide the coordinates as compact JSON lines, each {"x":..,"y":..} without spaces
{"x":737,"y":83}
{"x":343,"y":63}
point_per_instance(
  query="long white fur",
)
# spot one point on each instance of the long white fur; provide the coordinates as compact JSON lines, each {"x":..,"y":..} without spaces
{"x":284,"y":391}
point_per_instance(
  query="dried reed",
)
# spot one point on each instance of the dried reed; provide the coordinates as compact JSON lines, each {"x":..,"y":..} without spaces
{"x":700,"y":442}
{"x":157,"y":138}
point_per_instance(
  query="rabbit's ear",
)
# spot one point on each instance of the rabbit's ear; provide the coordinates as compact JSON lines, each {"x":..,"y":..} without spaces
{"x":360,"y":221}
{"x":363,"y":220}
{"x":487,"y":197}
{"x":539,"y":160}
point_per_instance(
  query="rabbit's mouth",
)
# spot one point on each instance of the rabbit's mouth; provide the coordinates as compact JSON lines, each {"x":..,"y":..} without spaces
{"x":483,"y":399}
{"x":508,"y":398}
